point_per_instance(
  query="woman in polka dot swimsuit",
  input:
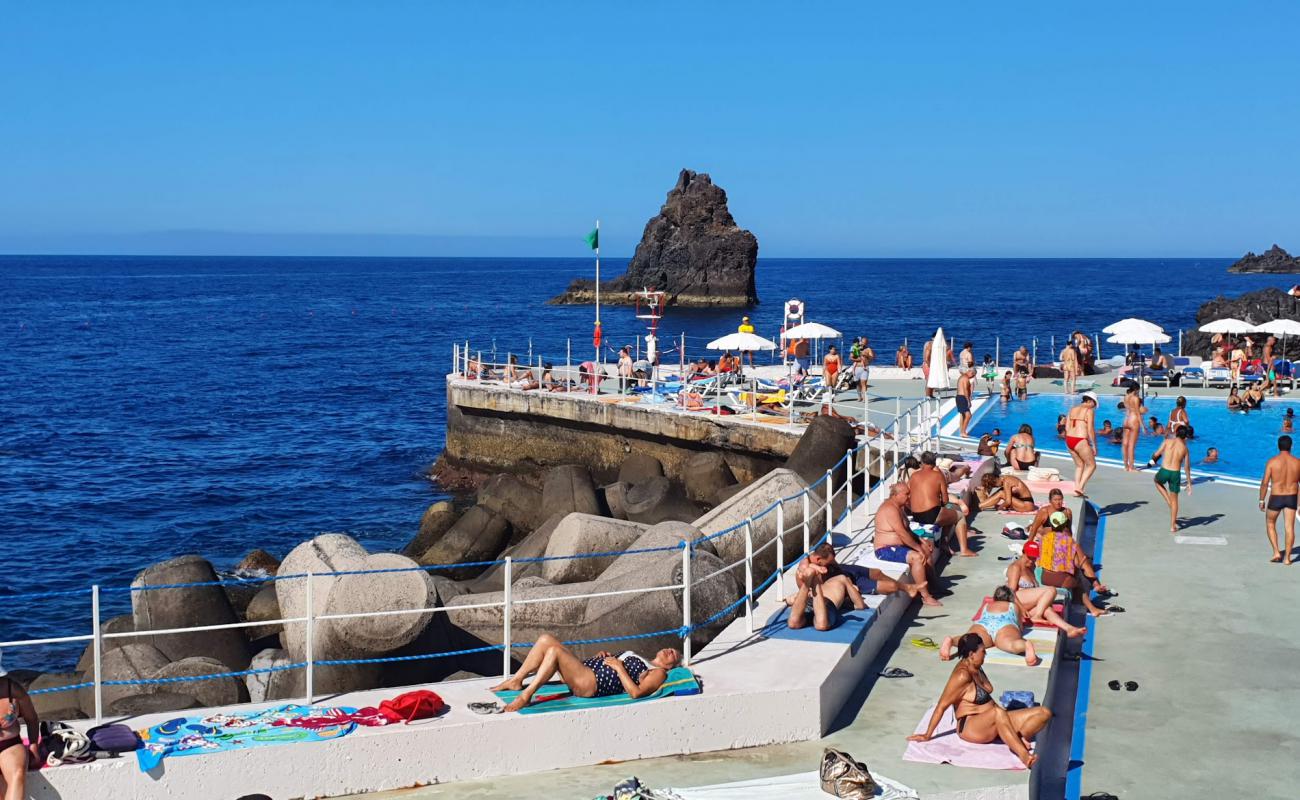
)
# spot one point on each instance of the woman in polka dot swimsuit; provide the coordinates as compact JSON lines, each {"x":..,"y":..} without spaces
{"x":600,"y":676}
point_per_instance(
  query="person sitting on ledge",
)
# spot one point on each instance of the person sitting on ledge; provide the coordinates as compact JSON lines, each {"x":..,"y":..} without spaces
{"x":829,"y":586}
{"x":894,"y":541}
{"x":17,"y":756}
{"x":1062,"y":563}
{"x":600,"y":676}
{"x":1055,"y":503}
{"x":1036,"y":599}
{"x":980,"y":720}
{"x":1000,"y":624}
{"x":928,"y":492}
{"x":1020,"y":450}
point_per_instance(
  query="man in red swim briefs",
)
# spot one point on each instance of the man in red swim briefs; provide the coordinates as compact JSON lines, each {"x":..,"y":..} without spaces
{"x":1081,"y":439}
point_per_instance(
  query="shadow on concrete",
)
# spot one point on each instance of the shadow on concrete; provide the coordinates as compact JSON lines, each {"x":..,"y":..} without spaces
{"x":1192,"y":522}
{"x":1120,"y":508}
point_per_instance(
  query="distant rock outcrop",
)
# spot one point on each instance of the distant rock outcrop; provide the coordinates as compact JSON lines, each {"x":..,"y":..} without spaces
{"x":692,"y":249}
{"x":1274,"y":260}
{"x":1257,"y":308}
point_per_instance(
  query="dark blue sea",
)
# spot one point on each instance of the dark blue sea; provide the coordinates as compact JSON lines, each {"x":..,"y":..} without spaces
{"x":153,"y":407}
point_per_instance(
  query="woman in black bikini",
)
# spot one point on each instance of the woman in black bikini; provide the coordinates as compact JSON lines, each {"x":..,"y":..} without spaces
{"x":600,"y":676}
{"x":14,"y":757}
{"x":980,"y":720}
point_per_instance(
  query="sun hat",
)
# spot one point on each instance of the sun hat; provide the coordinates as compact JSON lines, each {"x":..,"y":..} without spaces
{"x":1033,"y":549}
{"x":1058,"y":519}
{"x":1090,"y":396}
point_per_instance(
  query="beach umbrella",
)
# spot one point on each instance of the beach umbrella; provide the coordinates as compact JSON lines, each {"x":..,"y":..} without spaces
{"x":1228,"y":325}
{"x":938,"y":362}
{"x":741,"y":341}
{"x":1139,"y":336}
{"x":1280,"y":327}
{"x":811,"y":330}
{"x":1131,"y":324}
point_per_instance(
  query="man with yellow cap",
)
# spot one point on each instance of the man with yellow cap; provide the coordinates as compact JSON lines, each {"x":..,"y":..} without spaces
{"x":746,"y":327}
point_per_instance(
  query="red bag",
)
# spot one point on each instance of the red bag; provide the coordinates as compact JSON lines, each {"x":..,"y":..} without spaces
{"x":408,"y":706}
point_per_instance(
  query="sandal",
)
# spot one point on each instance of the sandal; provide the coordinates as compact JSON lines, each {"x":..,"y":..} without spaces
{"x":486,"y":708}
{"x":1114,"y":686}
{"x":896,"y":672}
{"x":1099,"y":796}
{"x":1131,"y":686}
{"x":925,"y":643}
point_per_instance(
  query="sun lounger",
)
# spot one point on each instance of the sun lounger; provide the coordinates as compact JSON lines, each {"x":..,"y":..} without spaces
{"x":1193,"y":376}
{"x":1218,"y":376}
{"x":1160,"y":377}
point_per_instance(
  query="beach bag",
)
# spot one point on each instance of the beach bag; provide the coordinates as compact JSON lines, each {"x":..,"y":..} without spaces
{"x":66,"y":745}
{"x":113,"y":739}
{"x":1013,"y":699}
{"x":1044,"y":474}
{"x":844,"y":777}
{"x":408,"y":706}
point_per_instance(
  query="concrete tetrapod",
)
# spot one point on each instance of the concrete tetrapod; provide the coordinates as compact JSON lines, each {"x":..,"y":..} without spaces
{"x":706,"y":474}
{"x":192,"y":606}
{"x":477,"y":536}
{"x":509,"y":497}
{"x":358,"y":637}
{"x":583,"y":533}
{"x":533,"y":546}
{"x":568,"y":489}
{"x":437,"y":520}
{"x":656,"y":500}
{"x":638,"y":467}
{"x":619,"y":615}
{"x":751,"y":502}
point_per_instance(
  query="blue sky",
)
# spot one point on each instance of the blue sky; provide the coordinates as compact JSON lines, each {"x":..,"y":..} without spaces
{"x":837,"y":128}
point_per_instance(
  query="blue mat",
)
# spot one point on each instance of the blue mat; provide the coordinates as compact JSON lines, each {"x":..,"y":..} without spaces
{"x":851,"y":630}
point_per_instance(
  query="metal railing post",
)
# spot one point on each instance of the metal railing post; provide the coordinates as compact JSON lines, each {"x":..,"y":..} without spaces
{"x":848,"y":491}
{"x":686,"y":603}
{"x":749,"y":574}
{"x":780,"y":548}
{"x":807,"y":530}
{"x":97,"y":650}
{"x":830,"y":495}
{"x":505,"y":615}
{"x":311,"y":638}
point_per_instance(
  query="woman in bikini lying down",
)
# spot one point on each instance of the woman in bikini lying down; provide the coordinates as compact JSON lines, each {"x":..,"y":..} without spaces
{"x":1000,"y":624}
{"x":600,"y":676}
{"x":980,"y":719}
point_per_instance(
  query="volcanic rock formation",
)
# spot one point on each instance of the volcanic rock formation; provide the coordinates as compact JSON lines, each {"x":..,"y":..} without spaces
{"x":1257,"y":308}
{"x":1274,"y":260}
{"x":692,"y":249}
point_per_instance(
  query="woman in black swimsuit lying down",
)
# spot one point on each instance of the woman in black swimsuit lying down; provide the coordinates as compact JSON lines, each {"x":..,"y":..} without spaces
{"x":600,"y":676}
{"x":980,"y":719}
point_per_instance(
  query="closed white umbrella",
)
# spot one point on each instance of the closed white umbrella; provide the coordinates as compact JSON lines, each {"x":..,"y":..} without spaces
{"x":811,"y":330}
{"x":1130,"y":323}
{"x":938,"y":362}
{"x":741,"y":341}
{"x":1228,"y":325}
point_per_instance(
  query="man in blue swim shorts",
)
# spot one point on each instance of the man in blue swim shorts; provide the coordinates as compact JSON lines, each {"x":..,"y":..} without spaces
{"x":895,"y":541}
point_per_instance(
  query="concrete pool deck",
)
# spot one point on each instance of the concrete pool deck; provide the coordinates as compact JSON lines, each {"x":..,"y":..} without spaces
{"x":1207,"y":635}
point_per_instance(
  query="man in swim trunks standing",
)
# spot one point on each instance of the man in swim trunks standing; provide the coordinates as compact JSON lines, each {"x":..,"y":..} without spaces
{"x":1282,"y":475}
{"x":928,"y":502}
{"x":1081,"y":439}
{"x":965,"y":389}
{"x":862,"y":368}
{"x":1173,"y":457}
{"x":895,"y":541}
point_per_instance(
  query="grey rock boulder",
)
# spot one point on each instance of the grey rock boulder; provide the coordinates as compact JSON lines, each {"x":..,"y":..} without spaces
{"x":533,"y":546}
{"x":750,"y":503}
{"x":264,"y":686}
{"x":822,"y":445}
{"x":209,"y":692}
{"x":130,"y":662}
{"x":512,"y":499}
{"x":437,"y":520}
{"x":50,"y":703}
{"x":160,"y":609}
{"x":263,"y":607}
{"x":638,"y":467}
{"x":615,"y":495}
{"x":656,"y":500}
{"x":568,"y":489}
{"x":156,"y":703}
{"x":123,"y":623}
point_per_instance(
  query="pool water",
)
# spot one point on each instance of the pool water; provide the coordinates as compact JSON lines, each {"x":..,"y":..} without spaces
{"x":1245,"y":440}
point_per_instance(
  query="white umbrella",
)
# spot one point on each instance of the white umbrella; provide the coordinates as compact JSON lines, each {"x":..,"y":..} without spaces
{"x":742,"y":342}
{"x":1280,"y":327}
{"x":1132,"y":323}
{"x":938,"y":362}
{"x":1137,"y":336}
{"x":811,"y":330}
{"x":1228,"y":325}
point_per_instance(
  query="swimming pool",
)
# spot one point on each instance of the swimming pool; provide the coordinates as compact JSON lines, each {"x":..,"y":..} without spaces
{"x":1245,"y":440}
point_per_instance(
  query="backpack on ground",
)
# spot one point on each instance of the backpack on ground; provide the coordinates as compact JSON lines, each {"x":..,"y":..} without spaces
{"x":113,"y":740}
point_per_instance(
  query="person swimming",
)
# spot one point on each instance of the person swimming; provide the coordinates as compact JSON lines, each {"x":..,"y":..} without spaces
{"x":1288,"y":421}
{"x":1211,"y":456}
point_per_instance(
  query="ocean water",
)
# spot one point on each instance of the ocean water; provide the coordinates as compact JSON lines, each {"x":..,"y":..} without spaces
{"x":153,"y":407}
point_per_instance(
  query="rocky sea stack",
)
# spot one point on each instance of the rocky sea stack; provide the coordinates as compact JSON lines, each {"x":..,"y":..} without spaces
{"x":692,"y":249}
{"x":1274,"y":260}
{"x":1256,"y":308}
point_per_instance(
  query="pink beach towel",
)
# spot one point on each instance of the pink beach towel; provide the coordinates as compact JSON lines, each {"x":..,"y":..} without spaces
{"x":1043,"y":487}
{"x":948,"y":748}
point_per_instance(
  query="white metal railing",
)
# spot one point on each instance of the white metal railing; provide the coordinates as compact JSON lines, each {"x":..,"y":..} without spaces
{"x":916,"y":424}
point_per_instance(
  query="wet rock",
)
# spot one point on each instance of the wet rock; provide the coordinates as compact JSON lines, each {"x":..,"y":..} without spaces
{"x":188,"y":607}
{"x":479,"y":535}
{"x":258,"y":562}
{"x":437,"y":520}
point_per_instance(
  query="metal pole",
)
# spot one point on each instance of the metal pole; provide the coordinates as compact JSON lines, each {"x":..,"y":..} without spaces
{"x":97,"y":652}
{"x":455,"y":358}
{"x":686,"y":603}
{"x":1180,"y":342}
{"x":506,"y":614}
{"x":807,"y":532}
{"x":997,"y":351}
{"x":311,"y":639}
{"x":780,"y":548}
{"x":848,"y":491}
{"x":749,"y":574}
{"x":830,"y":495}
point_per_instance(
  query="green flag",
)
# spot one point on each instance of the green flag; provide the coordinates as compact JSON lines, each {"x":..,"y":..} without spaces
{"x":593,"y":239}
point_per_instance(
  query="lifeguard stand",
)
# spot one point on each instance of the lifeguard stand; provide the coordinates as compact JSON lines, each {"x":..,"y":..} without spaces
{"x":794,"y":310}
{"x":650,"y":307}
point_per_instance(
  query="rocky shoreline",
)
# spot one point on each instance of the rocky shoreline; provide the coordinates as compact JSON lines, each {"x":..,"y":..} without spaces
{"x":559,"y":512}
{"x":1274,"y":260}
